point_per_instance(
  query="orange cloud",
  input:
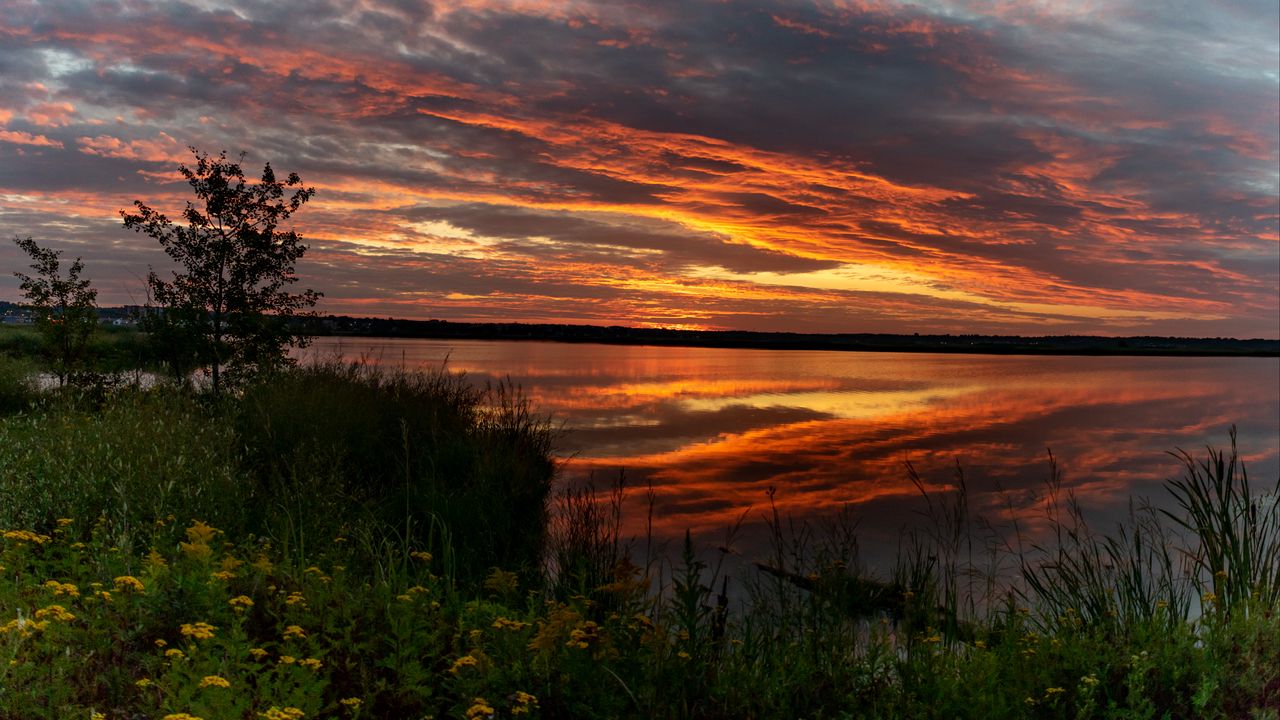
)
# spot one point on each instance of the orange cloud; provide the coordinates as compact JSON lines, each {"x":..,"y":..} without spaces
{"x":26,"y":138}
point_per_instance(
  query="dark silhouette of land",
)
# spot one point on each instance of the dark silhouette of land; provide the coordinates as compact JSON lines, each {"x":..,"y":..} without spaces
{"x":347,"y":326}
{"x":342,"y":325}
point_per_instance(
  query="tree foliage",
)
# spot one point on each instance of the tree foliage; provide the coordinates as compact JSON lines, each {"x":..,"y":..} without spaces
{"x":64,"y":308}
{"x":228,"y":307}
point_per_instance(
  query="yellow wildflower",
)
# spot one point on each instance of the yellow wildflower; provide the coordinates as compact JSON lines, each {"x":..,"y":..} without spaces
{"x":480,"y":708}
{"x":295,"y":598}
{"x":421,"y":555}
{"x":287,"y":713}
{"x":181,"y":716}
{"x":57,"y":612}
{"x":524,"y":703}
{"x":174,"y":654}
{"x":155,"y":560}
{"x":160,"y":642}
{"x":26,"y":536}
{"x":196,"y":551}
{"x":63,"y":522}
{"x":198,"y":631}
{"x":201,"y":532}
{"x":288,"y":659}
{"x":505,"y":624}
{"x":311,"y":663}
{"x":352,"y":702}
{"x":129,"y":583}
{"x":294,"y":631}
{"x":214,"y":681}
{"x":464,"y":661}
{"x":258,"y":653}
{"x":58,"y":588}
{"x":223,"y":575}
{"x":1050,"y":692}
{"x":240,"y":602}
{"x":682,"y":655}
{"x":143,"y":683}
{"x":262,"y":564}
{"x":95,"y":715}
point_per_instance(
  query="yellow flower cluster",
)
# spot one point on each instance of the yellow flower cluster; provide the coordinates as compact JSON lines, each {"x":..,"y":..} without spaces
{"x":197,"y":631}
{"x":26,"y":536}
{"x":295,"y":598}
{"x":582,"y":637}
{"x":505,"y":624}
{"x":214,"y":681}
{"x":421,"y":555}
{"x":129,"y":583}
{"x":352,"y":702}
{"x":55,"y":612}
{"x":258,"y":653}
{"x":294,"y":631}
{"x":286,"y":713}
{"x":181,"y":716}
{"x":463,"y":662}
{"x":198,"y":537}
{"x":311,"y":663}
{"x":480,"y":708}
{"x":240,"y":602}
{"x":23,"y":626}
{"x":524,"y":703}
{"x":58,"y":588}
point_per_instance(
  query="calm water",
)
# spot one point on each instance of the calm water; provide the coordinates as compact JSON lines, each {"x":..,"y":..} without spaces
{"x":713,"y":430}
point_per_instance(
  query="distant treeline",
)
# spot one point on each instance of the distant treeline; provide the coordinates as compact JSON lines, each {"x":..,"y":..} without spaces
{"x":344,"y":325}
{"x":998,"y":344}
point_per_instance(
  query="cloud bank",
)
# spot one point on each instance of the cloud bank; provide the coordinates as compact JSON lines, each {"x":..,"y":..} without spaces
{"x":949,"y":166}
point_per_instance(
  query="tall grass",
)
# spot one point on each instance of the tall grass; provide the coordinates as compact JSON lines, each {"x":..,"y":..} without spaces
{"x":401,"y":522}
{"x":413,"y":452}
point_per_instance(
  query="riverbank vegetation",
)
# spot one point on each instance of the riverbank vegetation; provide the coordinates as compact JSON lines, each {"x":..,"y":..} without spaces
{"x":334,"y":541}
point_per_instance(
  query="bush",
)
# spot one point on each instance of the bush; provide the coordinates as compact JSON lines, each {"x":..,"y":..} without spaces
{"x":424,"y":454}
{"x":17,"y":385}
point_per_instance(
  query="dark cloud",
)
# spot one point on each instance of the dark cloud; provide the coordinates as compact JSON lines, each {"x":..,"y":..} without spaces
{"x":1117,"y":160}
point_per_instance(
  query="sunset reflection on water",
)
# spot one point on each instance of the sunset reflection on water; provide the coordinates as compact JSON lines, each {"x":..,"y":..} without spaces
{"x":712,"y":430}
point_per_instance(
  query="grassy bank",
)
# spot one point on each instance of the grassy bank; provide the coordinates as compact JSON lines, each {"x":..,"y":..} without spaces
{"x":342,"y":543}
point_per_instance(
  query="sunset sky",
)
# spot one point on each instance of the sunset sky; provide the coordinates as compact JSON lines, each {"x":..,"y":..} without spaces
{"x":952,"y":166}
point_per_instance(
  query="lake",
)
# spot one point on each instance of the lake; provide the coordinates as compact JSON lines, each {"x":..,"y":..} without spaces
{"x":713,"y":431}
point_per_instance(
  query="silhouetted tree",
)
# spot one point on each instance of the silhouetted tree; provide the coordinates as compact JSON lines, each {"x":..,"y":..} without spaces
{"x":64,"y":309}
{"x":231,"y":294}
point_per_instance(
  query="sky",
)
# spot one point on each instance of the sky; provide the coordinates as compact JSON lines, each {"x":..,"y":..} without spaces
{"x":956,"y":166}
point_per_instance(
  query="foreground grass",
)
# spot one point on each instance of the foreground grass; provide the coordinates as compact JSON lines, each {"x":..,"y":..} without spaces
{"x":340,"y":544}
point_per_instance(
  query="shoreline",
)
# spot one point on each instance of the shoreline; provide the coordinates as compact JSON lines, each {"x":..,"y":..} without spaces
{"x":1071,"y":345}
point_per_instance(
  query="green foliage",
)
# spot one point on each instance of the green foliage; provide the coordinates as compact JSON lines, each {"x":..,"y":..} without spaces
{"x":17,"y":385}
{"x":229,"y":305}
{"x":64,"y":308}
{"x":355,"y":571}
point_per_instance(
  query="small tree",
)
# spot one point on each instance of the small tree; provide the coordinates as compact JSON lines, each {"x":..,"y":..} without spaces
{"x":64,"y":309}
{"x":236,"y":265}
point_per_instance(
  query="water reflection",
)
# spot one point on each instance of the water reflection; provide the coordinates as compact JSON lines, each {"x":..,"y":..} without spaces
{"x":712,"y":430}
